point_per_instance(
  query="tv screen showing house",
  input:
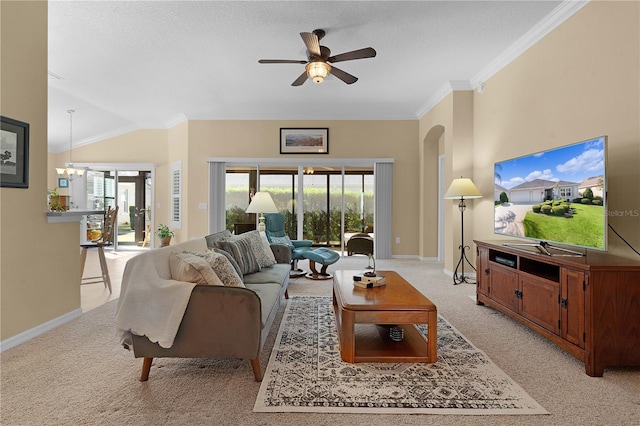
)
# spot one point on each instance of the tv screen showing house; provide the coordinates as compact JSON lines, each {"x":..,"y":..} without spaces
{"x":558,"y":195}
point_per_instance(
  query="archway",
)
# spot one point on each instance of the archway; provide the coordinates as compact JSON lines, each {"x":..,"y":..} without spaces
{"x":431,"y":174}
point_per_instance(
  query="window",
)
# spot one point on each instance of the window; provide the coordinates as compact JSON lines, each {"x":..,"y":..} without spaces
{"x":348,"y":189}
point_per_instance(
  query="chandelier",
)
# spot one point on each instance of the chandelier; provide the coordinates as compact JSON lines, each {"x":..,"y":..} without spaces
{"x":69,"y":170}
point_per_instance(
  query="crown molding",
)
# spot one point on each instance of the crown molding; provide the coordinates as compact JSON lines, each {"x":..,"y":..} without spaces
{"x":176,"y":120}
{"x":267,"y":116}
{"x":550,"y":22}
{"x":448,"y":87}
{"x":457,"y":85}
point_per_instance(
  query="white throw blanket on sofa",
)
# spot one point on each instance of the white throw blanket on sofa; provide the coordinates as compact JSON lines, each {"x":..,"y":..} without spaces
{"x":151,"y":303}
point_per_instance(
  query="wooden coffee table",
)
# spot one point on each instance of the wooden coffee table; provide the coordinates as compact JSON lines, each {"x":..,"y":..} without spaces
{"x":365,"y":316}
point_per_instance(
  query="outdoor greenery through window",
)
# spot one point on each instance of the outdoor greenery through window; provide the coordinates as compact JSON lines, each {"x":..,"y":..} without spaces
{"x":322,"y":195}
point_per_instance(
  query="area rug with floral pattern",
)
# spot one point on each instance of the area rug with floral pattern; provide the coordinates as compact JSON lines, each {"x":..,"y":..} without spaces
{"x":306,"y":374}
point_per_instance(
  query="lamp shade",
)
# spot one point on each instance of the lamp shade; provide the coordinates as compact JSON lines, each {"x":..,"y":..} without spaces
{"x":262,"y":203}
{"x":462,"y":188}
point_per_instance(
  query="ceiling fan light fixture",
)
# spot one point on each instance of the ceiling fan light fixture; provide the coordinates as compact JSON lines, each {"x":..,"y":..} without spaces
{"x":318,"y":71}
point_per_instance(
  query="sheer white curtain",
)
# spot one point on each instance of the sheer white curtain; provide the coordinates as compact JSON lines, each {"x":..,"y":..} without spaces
{"x":217,"y":188}
{"x":383,"y":200}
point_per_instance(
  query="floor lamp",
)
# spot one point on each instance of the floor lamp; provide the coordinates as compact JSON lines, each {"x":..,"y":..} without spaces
{"x":460,"y":189}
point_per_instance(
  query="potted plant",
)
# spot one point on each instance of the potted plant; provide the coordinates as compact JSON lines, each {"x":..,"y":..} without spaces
{"x":165,"y":234}
{"x":56,"y":203}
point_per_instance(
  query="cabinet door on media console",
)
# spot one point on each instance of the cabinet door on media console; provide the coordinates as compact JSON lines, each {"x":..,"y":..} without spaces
{"x":540,"y":302}
{"x":482,"y":267}
{"x":572,"y":306}
{"x":503,"y":286}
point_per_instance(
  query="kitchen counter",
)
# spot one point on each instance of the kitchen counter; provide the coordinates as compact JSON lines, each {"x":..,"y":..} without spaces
{"x":70,"y":215}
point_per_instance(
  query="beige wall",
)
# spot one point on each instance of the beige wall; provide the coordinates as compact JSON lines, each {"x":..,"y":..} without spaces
{"x":39,"y":262}
{"x":579,"y":82}
{"x":192,"y":142}
{"x":347,"y":139}
{"x":450,"y":124}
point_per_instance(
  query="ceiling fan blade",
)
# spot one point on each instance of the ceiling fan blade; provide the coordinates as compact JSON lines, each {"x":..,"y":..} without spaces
{"x":300,"y":80}
{"x":367,"y":52}
{"x":281,"y":61}
{"x":312,"y":43}
{"x":344,"y":76}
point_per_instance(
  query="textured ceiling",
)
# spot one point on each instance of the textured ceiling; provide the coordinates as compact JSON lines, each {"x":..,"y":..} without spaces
{"x":126,"y":65}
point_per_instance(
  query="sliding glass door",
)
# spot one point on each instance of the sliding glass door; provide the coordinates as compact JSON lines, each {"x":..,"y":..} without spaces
{"x":241,"y":185}
{"x":134,"y":207}
{"x":358,"y":202}
{"x":323,"y":204}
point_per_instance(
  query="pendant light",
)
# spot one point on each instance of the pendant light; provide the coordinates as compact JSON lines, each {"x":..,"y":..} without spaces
{"x":69,"y":170}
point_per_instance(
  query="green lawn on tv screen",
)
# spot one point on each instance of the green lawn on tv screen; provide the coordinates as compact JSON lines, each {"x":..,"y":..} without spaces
{"x":584,"y":228}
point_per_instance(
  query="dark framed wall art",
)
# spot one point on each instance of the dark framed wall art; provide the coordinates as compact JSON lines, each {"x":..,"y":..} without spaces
{"x":63,"y":183}
{"x":304,"y":141}
{"x":14,"y":153}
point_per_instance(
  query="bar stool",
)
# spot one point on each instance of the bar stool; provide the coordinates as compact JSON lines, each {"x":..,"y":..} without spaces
{"x":105,"y":240}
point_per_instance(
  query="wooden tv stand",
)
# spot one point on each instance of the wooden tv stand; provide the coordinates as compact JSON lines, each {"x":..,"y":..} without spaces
{"x":589,"y":306}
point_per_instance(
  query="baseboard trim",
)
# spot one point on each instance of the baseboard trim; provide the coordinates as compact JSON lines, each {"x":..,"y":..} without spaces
{"x":404,"y":256}
{"x":429,"y":259}
{"x":414,"y":256}
{"x":25,"y":336}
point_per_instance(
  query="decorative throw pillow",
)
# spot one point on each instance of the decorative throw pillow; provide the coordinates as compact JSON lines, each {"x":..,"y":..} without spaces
{"x":282,"y":240}
{"x":243,"y":254}
{"x":193,"y":269}
{"x":260,"y":249}
{"x":269,"y":257}
{"x":230,"y":258}
{"x":222,"y":267}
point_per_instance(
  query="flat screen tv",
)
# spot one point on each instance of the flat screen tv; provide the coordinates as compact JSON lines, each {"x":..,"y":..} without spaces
{"x":557,"y":196}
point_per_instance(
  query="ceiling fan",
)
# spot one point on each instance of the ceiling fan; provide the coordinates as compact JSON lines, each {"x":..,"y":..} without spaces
{"x":317,"y":66}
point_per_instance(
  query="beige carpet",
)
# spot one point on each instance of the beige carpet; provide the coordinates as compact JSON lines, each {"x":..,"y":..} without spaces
{"x":77,"y":374}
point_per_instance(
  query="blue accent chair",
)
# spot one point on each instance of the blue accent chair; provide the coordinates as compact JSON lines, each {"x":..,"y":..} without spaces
{"x":274,"y":230}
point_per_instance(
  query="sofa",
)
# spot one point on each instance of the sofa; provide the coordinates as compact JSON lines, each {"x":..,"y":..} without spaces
{"x":212,"y":321}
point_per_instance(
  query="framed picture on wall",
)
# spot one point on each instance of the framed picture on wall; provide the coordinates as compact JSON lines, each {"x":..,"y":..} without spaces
{"x":304,"y":141}
{"x":63,"y":183}
{"x":14,"y":153}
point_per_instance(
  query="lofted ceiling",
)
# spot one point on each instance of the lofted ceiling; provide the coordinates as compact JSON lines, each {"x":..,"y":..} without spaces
{"x":127,"y":65}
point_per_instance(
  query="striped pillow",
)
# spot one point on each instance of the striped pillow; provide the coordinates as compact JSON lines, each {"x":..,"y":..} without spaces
{"x":260,"y":248}
{"x":241,"y":251}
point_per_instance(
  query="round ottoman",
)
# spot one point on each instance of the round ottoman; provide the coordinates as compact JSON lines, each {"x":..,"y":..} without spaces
{"x":325,"y":257}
